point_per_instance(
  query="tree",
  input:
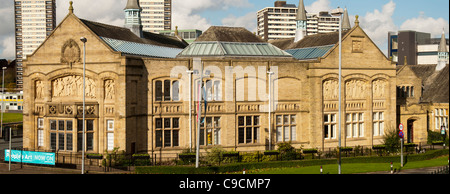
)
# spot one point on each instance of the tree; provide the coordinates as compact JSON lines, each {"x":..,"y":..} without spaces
{"x":391,"y":140}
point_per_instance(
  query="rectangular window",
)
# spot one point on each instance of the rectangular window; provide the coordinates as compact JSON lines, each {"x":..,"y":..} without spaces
{"x":167,"y":132}
{"x":61,"y":141}
{"x":69,"y":125}
{"x":248,"y":129}
{"x":210,"y":135}
{"x":110,"y":125}
{"x":53,"y":125}
{"x":166,"y":90}
{"x":110,"y":140}
{"x":40,"y":137}
{"x":176,"y":91}
{"x":378,"y":123}
{"x":40,"y":123}
{"x":329,"y":126}
{"x":61,"y":126}
{"x":89,"y":136}
{"x":286,"y":128}
{"x":158,"y":138}
{"x":355,"y":125}
{"x":53,"y":141}
{"x":69,"y":141}
{"x":158,"y":91}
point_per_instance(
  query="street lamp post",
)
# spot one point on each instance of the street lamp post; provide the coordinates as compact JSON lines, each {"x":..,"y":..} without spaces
{"x":190,"y":109}
{"x":84,"y":40}
{"x":199,"y":116}
{"x":338,"y":12}
{"x":270,"y":109}
{"x":3,"y":99}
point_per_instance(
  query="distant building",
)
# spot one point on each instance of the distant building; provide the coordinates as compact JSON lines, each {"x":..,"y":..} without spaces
{"x":418,"y":47}
{"x":188,"y":35}
{"x":156,"y":15}
{"x":280,"y":21}
{"x":34,"y":20}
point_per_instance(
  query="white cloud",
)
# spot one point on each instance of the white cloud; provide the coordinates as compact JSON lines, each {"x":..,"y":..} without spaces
{"x":7,"y":44}
{"x":186,"y":13}
{"x":8,"y":47}
{"x":318,"y":6}
{"x":247,"y":21}
{"x":377,"y":24}
{"x":103,"y":11}
{"x":426,"y":24}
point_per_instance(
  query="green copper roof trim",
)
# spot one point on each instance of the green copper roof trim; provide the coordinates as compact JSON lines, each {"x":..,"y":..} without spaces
{"x":140,"y":49}
{"x":232,"y":49}
{"x":310,"y":52}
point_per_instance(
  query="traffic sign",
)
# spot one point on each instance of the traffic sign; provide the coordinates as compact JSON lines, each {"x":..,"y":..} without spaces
{"x":400,"y":134}
{"x":400,"y":127}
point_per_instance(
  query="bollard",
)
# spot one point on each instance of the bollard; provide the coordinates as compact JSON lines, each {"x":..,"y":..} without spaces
{"x":321,"y":170}
{"x":392,"y":171}
{"x":243,"y":171}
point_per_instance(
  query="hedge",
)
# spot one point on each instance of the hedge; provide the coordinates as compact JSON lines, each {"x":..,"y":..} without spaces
{"x":280,"y":164}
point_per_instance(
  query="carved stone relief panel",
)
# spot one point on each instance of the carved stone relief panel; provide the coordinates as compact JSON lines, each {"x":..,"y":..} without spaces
{"x":355,"y":89}
{"x":379,"y":89}
{"x":39,"y":89}
{"x":72,"y":86}
{"x":70,"y":52}
{"x":110,"y":91}
{"x":357,"y":44}
{"x":331,"y":90}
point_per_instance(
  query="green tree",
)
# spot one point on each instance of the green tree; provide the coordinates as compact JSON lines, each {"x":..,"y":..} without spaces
{"x":392,"y":140}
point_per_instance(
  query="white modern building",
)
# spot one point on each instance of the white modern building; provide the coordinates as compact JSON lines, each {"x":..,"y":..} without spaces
{"x":280,"y":21}
{"x":13,"y":101}
{"x":156,"y":15}
{"x":34,"y":20}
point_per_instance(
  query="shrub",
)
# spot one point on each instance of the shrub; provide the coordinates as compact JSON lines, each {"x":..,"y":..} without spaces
{"x":287,"y":152}
{"x":392,"y":140}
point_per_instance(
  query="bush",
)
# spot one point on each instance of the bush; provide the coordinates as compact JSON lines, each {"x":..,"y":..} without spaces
{"x":282,"y":164}
{"x":392,"y":141}
{"x":287,"y":152}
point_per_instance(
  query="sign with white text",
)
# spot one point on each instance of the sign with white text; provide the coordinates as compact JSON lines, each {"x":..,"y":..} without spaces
{"x":30,"y":157}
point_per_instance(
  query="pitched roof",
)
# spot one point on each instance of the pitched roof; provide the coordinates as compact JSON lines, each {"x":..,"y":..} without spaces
{"x":310,"y":52}
{"x":235,"y":49}
{"x":315,"y":40}
{"x":228,"y":34}
{"x":436,"y":87}
{"x":146,"y":50}
{"x":435,"y":83}
{"x":120,"y":33}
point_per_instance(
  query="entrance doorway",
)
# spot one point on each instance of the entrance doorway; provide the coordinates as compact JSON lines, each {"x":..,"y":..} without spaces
{"x":410,"y":131}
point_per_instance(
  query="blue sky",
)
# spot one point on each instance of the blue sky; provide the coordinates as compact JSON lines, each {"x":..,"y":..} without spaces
{"x":377,"y":18}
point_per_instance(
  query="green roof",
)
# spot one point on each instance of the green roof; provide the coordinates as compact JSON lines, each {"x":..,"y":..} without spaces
{"x":147,"y":50}
{"x":247,"y":49}
{"x":310,"y":52}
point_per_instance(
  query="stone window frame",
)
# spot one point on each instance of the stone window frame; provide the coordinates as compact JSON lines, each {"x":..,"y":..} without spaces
{"x":292,"y":136}
{"x":164,"y":128}
{"x":330,"y":125}
{"x":243,"y":127}
{"x":167,"y":86}
{"x":354,"y":120}
{"x":215,"y":131}
{"x":61,"y":137}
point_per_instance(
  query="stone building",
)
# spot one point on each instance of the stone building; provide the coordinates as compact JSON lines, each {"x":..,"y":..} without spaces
{"x":141,"y":90}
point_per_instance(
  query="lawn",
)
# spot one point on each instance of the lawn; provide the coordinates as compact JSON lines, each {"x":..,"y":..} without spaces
{"x":12,"y":117}
{"x":353,"y":168}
